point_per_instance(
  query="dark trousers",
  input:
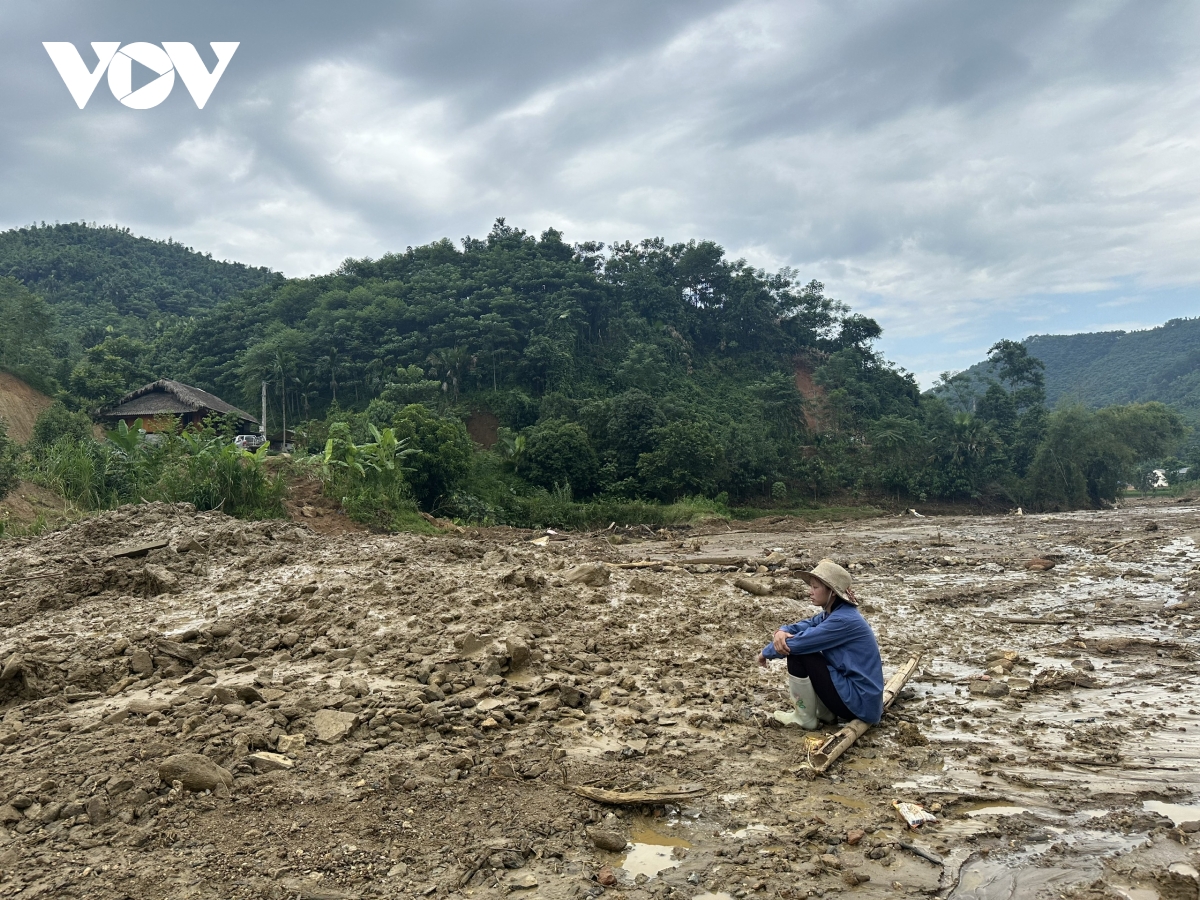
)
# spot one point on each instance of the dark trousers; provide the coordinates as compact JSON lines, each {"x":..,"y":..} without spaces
{"x":813,"y":667}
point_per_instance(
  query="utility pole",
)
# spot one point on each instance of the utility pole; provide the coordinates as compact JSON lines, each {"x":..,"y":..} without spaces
{"x":262,"y":425}
{"x":283,"y":404}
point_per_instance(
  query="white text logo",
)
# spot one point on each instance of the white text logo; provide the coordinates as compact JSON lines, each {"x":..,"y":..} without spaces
{"x":165,"y":61}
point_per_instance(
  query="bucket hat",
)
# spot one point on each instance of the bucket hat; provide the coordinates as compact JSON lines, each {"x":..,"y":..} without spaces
{"x":834,"y":577}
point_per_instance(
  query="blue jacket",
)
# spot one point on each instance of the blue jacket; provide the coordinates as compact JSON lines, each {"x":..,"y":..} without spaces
{"x":849,"y":646}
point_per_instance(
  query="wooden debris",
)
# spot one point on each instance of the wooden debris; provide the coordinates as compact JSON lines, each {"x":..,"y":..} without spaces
{"x":752,"y":587}
{"x":140,"y":548}
{"x":24,"y":578}
{"x":773,"y":560}
{"x":645,"y":798}
{"x":825,"y":755}
{"x":921,"y":852}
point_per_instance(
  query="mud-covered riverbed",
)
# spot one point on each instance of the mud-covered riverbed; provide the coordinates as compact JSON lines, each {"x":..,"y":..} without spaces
{"x":387,"y":716}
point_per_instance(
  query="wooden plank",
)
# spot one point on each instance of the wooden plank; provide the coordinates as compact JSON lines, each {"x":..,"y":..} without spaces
{"x":825,"y":755}
{"x":640,"y":798}
{"x":141,"y":548}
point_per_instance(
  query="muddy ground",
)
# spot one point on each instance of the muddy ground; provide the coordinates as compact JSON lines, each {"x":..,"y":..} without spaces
{"x":199,"y":707}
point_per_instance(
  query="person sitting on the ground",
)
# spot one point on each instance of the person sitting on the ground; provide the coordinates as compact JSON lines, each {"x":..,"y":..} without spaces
{"x":834,"y":668}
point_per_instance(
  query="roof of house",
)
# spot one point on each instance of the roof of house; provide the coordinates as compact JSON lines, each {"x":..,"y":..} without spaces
{"x":170,"y":398}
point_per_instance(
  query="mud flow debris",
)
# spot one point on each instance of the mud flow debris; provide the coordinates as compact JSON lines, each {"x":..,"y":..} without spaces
{"x":193,"y":706}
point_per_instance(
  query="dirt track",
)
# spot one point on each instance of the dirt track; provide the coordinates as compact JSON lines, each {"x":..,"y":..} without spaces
{"x":400,"y":716}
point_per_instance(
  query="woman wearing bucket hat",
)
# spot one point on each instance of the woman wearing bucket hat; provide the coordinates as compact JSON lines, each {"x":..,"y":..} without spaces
{"x":834,"y":668}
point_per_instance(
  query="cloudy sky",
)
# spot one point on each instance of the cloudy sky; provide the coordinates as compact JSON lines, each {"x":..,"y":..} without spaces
{"x":961,"y":171}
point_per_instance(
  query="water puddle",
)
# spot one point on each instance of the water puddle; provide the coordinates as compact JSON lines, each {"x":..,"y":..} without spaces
{"x":995,"y":810}
{"x":1176,"y":812}
{"x":1135,"y":893}
{"x":648,"y":860}
{"x":846,"y":801}
{"x":655,"y":849}
{"x":986,"y":880}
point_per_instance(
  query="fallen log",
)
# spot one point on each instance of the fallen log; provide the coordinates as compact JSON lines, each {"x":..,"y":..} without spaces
{"x":752,"y":587}
{"x":825,"y":755}
{"x":640,"y":798}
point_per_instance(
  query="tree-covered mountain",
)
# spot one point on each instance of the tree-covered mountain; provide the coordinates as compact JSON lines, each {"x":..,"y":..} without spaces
{"x":1104,"y":368}
{"x":94,"y":278}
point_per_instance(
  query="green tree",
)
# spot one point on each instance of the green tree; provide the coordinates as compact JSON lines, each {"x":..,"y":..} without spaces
{"x":558,"y":453}
{"x":1086,"y":456}
{"x":115,"y":366}
{"x":443,"y":455}
{"x":687,"y":460}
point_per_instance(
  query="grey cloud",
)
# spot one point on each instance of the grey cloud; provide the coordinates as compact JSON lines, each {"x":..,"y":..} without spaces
{"x":944,"y":166}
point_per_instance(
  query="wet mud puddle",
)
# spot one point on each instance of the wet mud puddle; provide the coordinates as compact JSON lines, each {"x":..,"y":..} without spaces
{"x":654,"y":848}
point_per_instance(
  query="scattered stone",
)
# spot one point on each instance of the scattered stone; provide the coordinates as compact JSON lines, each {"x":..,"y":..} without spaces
{"x":194,"y":771}
{"x":854,"y":835}
{"x":1040,"y":564}
{"x":97,"y":810}
{"x":981,"y":688}
{"x":290,"y":743}
{"x":159,"y":580}
{"x":645,"y":587}
{"x":594,"y":574}
{"x":607,"y":840}
{"x":269,"y":762}
{"x":518,"y":652}
{"x":523,"y":883}
{"x":332,"y":725}
{"x":146,"y":705}
{"x":606,"y":876}
{"x":177,"y":650}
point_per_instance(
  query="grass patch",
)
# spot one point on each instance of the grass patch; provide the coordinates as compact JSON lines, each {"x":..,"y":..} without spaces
{"x":809,"y":514}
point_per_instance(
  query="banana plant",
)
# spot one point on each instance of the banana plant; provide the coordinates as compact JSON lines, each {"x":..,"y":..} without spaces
{"x":127,"y":439}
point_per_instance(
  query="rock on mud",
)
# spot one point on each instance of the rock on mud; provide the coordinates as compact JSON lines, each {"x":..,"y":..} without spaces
{"x":981,"y":688}
{"x":517,"y":650}
{"x":592,"y":573}
{"x":269,"y":762}
{"x":194,"y":772}
{"x":159,"y":580}
{"x":332,"y":726}
{"x":607,"y":840}
{"x":290,"y":743}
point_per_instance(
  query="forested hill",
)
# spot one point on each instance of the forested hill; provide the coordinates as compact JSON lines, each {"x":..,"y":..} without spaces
{"x":94,"y":278}
{"x":635,"y":371}
{"x":1111,"y":367}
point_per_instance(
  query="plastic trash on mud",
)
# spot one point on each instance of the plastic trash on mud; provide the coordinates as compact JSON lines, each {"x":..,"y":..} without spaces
{"x":914,"y":814}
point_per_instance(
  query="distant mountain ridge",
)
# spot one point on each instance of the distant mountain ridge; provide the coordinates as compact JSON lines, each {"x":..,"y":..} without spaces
{"x":1114,"y":367}
{"x":99,"y":276}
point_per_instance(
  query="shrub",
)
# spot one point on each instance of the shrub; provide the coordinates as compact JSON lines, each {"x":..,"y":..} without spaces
{"x":210,"y":473}
{"x":56,"y":421}
{"x":8,"y":462}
